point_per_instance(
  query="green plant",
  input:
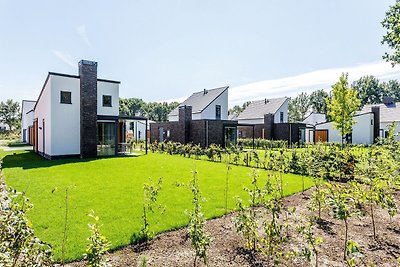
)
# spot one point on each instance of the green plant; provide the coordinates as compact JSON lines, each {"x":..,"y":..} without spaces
{"x":200,"y":240}
{"x":312,"y":241}
{"x":19,"y":245}
{"x":353,"y":251}
{"x":150,"y":195}
{"x":98,"y":246}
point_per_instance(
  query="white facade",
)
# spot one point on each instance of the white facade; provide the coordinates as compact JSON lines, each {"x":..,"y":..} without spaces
{"x":27,"y":119}
{"x":384,"y":127}
{"x":284,"y":110}
{"x":209,"y":113}
{"x":58,"y":124}
{"x":4,"y":127}
{"x":311,"y":121}
{"x":363,"y":130}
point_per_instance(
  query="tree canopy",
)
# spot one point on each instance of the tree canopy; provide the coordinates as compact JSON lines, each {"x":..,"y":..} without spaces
{"x":10,"y":114}
{"x":318,"y":102}
{"x":392,"y":37}
{"x":299,"y":107}
{"x":155,"y":111}
{"x":343,"y":105}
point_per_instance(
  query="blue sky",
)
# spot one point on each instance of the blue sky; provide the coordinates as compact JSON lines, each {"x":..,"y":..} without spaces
{"x":162,"y":50}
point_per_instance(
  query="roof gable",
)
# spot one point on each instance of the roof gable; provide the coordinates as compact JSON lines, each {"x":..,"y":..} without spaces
{"x":199,"y":101}
{"x":258,"y":108}
{"x":388,"y":113}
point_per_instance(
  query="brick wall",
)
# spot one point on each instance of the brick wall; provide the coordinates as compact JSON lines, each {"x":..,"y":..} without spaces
{"x":88,"y":108}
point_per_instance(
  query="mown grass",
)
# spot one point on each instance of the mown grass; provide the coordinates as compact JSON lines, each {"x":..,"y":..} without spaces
{"x":113,"y":188}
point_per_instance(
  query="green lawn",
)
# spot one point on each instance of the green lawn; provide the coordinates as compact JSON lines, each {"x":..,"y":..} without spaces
{"x":112,"y":187}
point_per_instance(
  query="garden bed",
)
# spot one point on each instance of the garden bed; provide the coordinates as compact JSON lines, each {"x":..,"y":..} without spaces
{"x":227,"y":247}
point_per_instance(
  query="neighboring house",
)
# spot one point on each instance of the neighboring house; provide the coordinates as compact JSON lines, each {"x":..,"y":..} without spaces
{"x":389,"y":112}
{"x":364,"y":131}
{"x":269,"y":120}
{"x":200,"y":119}
{"x":206,"y":105}
{"x":77,"y":116}
{"x":27,"y":118}
{"x":4,"y":127}
{"x":311,"y":120}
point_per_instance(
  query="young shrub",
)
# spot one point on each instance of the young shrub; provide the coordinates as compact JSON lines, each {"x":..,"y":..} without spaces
{"x":312,"y":241}
{"x":199,"y":239}
{"x":18,"y":244}
{"x":96,"y":251}
{"x":246,"y":220}
{"x":150,"y":195}
{"x":342,"y":206}
{"x":353,"y":251}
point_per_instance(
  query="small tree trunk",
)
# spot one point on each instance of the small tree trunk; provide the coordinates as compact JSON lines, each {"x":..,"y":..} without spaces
{"x":373,"y":222}
{"x":345,"y":240}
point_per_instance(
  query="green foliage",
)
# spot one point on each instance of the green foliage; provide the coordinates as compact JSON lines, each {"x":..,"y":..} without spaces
{"x":312,"y":241}
{"x":96,"y":251}
{"x":343,"y":105}
{"x":370,"y":90}
{"x":19,"y":245}
{"x":318,"y":101}
{"x":353,"y":251}
{"x":150,"y":196}
{"x":236,"y":110}
{"x":392,"y":37}
{"x":200,"y":240}
{"x":10,"y":114}
{"x":298,"y":107}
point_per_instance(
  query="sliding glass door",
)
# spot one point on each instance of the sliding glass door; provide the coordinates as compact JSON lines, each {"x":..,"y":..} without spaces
{"x":106,"y":136}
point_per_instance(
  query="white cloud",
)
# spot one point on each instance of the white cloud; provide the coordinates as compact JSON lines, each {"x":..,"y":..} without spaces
{"x":308,"y":82}
{"x":82,"y":32}
{"x":66,"y":58}
{"x":179,"y":100}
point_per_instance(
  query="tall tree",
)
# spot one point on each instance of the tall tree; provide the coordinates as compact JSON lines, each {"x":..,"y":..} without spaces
{"x":318,"y":102}
{"x":370,"y":90}
{"x":236,"y":110}
{"x":343,"y":105}
{"x":392,"y":88}
{"x":131,"y":106}
{"x":10,"y":114}
{"x":392,"y":37}
{"x":298,"y":107}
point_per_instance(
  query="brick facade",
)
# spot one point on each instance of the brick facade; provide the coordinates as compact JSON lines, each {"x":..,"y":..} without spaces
{"x":88,"y":108}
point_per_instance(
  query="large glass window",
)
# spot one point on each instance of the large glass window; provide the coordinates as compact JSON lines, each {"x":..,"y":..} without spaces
{"x":107,"y":101}
{"x":106,"y":137}
{"x":217,"y":112}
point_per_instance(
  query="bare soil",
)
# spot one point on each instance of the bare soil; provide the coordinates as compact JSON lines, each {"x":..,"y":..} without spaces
{"x":228,"y":248}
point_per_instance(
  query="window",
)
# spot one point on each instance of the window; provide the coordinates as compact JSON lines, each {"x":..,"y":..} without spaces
{"x":106,"y":101}
{"x":281,"y":117}
{"x":218,"y":112}
{"x":65,"y":97}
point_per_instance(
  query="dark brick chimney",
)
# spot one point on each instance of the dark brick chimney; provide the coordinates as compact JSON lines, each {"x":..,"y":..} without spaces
{"x":268,"y":126}
{"x":377,"y":121}
{"x":88,"y":114}
{"x":185,"y":119}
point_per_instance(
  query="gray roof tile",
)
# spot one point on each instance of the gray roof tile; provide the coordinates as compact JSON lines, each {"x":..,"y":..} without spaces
{"x":388,"y":113}
{"x":200,"y":100}
{"x":258,"y":108}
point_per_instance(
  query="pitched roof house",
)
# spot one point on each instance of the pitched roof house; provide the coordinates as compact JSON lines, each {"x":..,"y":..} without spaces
{"x":200,"y":119}
{"x":256,"y":110}
{"x":76,"y":115}
{"x":209,"y":104}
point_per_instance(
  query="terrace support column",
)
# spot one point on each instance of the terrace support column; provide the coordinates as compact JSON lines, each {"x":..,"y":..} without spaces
{"x":88,"y":108}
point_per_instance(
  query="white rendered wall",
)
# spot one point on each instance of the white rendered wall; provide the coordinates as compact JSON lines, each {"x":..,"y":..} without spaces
{"x":43,"y":111}
{"x":209,"y":112}
{"x":384,"y":126}
{"x":284,"y":108}
{"x":173,"y":117}
{"x":252,"y":121}
{"x":363,"y":130}
{"x":65,"y":117}
{"x":108,"y":88}
{"x":26,"y":118}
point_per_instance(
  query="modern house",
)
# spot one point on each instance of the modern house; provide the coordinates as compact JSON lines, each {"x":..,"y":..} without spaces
{"x":311,"y":120}
{"x":76,"y":116}
{"x":389,"y":113}
{"x":270,"y":120}
{"x":27,"y":120}
{"x":200,"y":119}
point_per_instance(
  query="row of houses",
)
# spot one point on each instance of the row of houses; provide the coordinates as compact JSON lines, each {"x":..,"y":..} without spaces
{"x":78,"y":116}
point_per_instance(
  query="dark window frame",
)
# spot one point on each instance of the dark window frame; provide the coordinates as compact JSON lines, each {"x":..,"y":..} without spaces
{"x":64,"y":100}
{"x":218,"y":112}
{"x":281,"y":117}
{"x":104,"y":102}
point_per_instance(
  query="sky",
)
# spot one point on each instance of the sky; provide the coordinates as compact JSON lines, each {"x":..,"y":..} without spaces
{"x":166,"y":50}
